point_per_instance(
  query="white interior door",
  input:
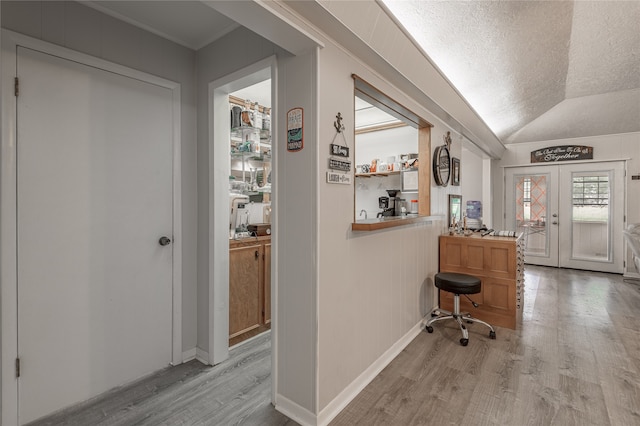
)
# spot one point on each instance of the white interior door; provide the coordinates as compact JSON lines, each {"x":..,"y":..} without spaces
{"x":94,"y":185}
{"x":592,"y":211}
{"x":531,"y":207}
{"x":572,"y":215}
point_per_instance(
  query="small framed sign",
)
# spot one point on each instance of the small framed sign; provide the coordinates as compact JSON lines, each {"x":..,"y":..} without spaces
{"x":455,"y":171}
{"x":344,"y":166}
{"x":295,"y":130}
{"x":339,"y":150}
{"x":341,"y":178}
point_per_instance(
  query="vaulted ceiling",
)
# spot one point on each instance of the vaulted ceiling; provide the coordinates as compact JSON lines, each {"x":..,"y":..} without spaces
{"x":536,"y":70}
{"x":532,"y":70}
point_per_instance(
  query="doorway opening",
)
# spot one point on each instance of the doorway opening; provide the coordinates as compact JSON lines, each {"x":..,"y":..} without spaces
{"x":241,"y":161}
{"x":571,"y":216}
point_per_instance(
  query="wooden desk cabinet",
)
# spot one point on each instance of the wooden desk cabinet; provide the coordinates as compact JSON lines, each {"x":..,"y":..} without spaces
{"x":499,"y":263}
{"x":249,"y":287}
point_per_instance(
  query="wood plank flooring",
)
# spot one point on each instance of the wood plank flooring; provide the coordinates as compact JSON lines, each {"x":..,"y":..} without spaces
{"x":574,"y":360}
{"x":236,"y":391}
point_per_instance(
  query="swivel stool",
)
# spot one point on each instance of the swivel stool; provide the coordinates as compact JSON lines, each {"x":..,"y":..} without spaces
{"x":458,"y":284}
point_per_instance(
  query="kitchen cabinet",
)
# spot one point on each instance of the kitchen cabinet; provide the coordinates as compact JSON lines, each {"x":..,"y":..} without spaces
{"x":499,"y":263}
{"x":249,"y":287}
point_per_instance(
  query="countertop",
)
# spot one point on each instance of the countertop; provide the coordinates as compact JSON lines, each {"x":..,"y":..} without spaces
{"x":374,"y":224}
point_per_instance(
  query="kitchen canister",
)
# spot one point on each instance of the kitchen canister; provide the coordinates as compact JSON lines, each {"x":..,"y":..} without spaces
{"x":413,"y":209}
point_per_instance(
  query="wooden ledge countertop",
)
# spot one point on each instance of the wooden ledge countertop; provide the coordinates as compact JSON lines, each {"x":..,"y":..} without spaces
{"x":247,"y":241}
{"x":478,"y":235}
{"x":375,"y":224}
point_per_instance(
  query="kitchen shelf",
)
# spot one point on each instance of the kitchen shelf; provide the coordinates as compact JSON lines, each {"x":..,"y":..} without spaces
{"x":251,"y":156}
{"x":240,"y":132}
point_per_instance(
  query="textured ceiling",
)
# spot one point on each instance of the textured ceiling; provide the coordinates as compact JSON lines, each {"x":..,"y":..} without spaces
{"x":536,"y":70}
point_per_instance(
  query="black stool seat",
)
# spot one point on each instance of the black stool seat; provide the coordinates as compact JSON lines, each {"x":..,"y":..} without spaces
{"x":457,"y":283}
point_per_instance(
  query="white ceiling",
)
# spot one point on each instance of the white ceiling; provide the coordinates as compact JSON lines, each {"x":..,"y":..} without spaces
{"x":192,"y":24}
{"x":533,"y":70}
{"x":536,"y":70}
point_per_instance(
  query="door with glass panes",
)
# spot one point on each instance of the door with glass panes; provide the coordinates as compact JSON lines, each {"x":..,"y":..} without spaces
{"x":571,"y":215}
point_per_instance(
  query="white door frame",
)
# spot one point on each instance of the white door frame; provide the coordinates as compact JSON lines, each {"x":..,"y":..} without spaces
{"x":8,"y":205}
{"x":550,"y":258}
{"x":219,"y":170}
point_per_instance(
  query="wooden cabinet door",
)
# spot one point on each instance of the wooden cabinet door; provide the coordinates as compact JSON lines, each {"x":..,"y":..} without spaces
{"x":267,"y":283}
{"x":245,"y":285}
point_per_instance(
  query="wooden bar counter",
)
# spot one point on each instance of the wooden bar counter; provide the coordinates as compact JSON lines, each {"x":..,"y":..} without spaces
{"x":499,"y":263}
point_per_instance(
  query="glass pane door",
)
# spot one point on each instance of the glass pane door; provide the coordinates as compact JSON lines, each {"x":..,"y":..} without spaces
{"x":531,"y":213}
{"x":592,"y":212}
{"x":590,"y":217}
{"x":531,"y":208}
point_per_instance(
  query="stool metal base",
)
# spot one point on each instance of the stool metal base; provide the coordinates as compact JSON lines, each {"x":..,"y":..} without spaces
{"x":459,"y":317}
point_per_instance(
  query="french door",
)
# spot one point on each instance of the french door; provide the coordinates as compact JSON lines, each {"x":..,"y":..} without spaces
{"x":571,"y":215}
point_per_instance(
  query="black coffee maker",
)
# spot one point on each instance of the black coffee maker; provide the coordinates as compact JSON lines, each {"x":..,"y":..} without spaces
{"x":392,"y":201}
{"x":383,"y":203}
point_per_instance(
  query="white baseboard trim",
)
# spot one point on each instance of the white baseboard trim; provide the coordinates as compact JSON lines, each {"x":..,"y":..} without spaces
{"x":195,"y":353}
{"x":188,"y":355}
{"x":631,"y":275}
{"x":294,"y":411}
{"x":350,"y":392}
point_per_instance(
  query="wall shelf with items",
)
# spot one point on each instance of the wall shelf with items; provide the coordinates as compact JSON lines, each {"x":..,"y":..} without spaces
{"x":250,"y":145}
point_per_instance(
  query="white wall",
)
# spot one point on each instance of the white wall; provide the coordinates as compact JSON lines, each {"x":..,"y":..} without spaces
{"x":373,"y":287}
{"x":609,"y":147}
{"x":86,"y":30}
{"x":471,"y":176}
{"x":210,"y":67}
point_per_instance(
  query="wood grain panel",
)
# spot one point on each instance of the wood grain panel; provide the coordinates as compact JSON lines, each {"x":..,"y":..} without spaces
{"x":475,"y":257}
{"x":245,"y":283}
{"x":267,"y":283}
{"x":494,"y":261}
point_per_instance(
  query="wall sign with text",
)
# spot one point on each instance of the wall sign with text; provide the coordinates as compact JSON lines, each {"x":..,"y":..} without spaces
{"x":295,"y":130}
{"x":562,"y":153}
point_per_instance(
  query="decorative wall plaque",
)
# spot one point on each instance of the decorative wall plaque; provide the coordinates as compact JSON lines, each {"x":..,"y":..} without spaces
{"x":295,"y":130}
{"x":553,"y":154}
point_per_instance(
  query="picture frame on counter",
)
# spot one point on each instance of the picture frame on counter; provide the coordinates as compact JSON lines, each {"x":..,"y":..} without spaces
{"x":455,"y":171}
{"x":410,"y":180}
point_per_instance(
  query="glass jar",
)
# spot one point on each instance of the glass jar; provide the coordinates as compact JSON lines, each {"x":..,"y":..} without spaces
{"x":414,"y":207}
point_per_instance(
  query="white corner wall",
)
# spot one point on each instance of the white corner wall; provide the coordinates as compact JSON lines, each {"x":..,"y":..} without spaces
{"x":373,"y":287}
{"x":213,"y":62}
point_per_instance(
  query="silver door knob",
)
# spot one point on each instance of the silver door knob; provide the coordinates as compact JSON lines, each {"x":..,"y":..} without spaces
{"x":164,"y":241}
{"x":555,"y":215}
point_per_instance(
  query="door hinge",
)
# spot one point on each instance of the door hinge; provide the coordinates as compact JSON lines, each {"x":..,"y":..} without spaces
{"x":17,"y":367}
{"x":16,"y":87}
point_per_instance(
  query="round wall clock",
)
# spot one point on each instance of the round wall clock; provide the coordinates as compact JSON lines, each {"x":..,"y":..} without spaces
{"x":441,"y":165}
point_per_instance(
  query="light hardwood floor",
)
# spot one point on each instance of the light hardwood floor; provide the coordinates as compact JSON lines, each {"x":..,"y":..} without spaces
{"x":574,"y":360}
{"x":234,"y":392}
